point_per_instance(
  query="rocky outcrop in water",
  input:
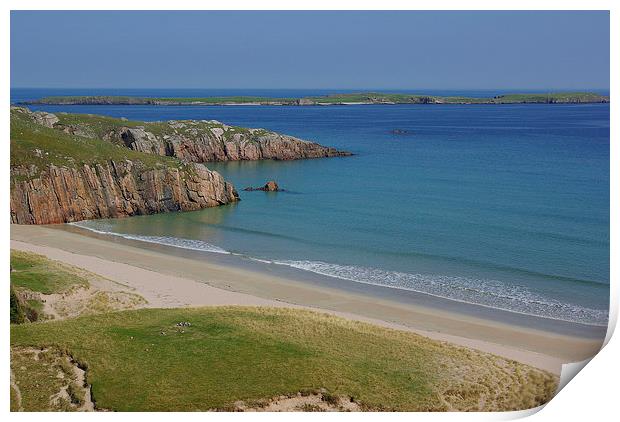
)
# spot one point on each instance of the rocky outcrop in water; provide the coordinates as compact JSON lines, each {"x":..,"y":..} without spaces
{"x":400,"y":132}
{"x":270,"y":186}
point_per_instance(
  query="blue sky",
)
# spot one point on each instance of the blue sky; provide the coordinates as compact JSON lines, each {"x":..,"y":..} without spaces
{"x":348,"y":50}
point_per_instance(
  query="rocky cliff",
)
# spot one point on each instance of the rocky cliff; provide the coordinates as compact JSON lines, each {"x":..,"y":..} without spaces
{"x":58,"y":178}
{"x":113,"y":189}
{"x":195,"y":140}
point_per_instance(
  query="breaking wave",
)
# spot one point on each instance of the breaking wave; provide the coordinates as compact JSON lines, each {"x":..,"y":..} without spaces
{"x":489,"y":293}
{"x":195,"y":245}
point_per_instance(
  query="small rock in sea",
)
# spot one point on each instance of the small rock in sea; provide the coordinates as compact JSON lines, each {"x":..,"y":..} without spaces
{"x":270,"y":186}
{"x":399,"y":132}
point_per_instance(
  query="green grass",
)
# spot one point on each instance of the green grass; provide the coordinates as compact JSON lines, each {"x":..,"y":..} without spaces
{"x":14,"y":402}
{"x":95,"y":125}
{"x":163,"y":100}
{"x":238,"y":353}
{"x":40,"y":379}
{"x":101,"y":126}
{"x":371,"y":97}
{"x":37,"y":305}
{"x":561,"y":97}
{"x":39,"y":146}
{"x":17,"y":307}
{"x":558,"y":97}
{"x":38,"y":274}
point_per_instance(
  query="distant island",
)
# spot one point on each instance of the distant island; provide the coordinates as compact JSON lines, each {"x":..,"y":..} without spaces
{"x":333,"y":99}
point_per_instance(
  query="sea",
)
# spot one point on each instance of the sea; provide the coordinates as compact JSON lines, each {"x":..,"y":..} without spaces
{"x":501,"y":206}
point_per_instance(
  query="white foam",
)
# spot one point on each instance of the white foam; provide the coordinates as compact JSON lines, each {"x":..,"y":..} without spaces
{"x":192,"y":244}
{"x":489,"y":293}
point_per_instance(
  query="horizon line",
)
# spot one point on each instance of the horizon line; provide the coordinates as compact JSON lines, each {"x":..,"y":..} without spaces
{"x":316,"y":89}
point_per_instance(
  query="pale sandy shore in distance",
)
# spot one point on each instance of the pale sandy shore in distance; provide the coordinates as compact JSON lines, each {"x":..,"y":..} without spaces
{"x":166,"y":280}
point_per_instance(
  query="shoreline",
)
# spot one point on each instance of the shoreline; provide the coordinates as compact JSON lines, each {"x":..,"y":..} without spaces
{"x":167,"y":280}
{"x":373,"y":291}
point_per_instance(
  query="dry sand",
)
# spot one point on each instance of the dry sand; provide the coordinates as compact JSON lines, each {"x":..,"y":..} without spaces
{"x":172,"y":281}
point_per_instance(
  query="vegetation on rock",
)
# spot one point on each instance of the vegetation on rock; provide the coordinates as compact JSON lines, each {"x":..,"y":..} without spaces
{"x":194,"y":140}
{"x":59,"y":177}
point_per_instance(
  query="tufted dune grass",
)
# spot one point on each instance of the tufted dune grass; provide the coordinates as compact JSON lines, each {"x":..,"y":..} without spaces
{"x":141,"y":360}
{"x":38,"y":274}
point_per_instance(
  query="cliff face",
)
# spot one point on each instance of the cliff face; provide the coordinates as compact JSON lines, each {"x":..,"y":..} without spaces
{"x":199,"y":141}
{"x":223,"y":144}
{"x":114,"y":189}
{"x":59,"y":178}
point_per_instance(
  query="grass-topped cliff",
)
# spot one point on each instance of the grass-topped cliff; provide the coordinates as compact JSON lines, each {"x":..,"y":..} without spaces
{"x":33,"y":144}
{"x":58,"y":176}
{"x":194,"y":140}
{"x":352,"y":98}
{"x":104,"y":127}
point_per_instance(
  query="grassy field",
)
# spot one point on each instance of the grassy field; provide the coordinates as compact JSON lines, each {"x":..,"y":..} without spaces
{"x":362,"y":97}
{"x":141,"y":360}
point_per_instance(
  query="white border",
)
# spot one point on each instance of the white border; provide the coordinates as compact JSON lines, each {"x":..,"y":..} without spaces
{"x":590,"y":396}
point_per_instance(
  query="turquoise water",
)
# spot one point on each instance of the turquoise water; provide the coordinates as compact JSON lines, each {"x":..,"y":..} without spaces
{"x":503,"y":206}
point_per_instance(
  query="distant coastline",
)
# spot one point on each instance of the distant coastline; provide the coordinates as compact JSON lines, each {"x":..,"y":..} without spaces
{"x":365,"y":98}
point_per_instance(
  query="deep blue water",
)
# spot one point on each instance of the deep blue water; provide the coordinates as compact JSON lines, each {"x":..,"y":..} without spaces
{"x":505,"y":206}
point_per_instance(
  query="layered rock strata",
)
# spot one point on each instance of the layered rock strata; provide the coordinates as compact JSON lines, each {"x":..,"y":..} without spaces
{"x":114,"y":189}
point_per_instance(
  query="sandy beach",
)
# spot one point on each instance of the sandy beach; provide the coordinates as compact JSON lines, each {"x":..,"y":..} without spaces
{"x":167,"y":280}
